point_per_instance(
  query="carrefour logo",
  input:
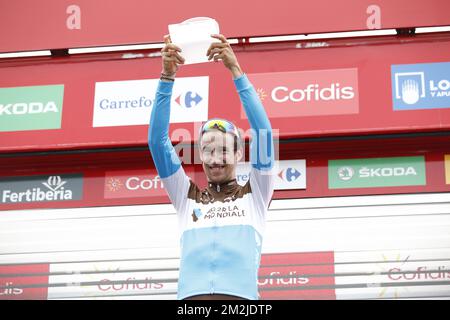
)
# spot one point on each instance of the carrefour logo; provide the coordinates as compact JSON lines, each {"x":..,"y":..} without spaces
{"x":289,"y":174}
{"x":421,"y":86}
{"x":376,"y":172}
{"x":31,"y":108}
{"x":141,"y":102}
{"x":188,"y":99}
{"x":126,"y":103}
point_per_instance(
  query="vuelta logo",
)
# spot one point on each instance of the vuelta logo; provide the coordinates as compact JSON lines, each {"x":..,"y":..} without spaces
{"x":189,"y":99}
{"x":289,"y":174}
{"x":316,"y":92}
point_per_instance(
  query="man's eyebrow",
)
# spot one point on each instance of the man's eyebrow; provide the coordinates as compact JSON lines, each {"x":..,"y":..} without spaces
{"x":206,"y":145}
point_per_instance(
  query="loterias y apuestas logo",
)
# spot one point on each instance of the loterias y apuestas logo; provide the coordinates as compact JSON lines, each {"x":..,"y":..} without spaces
{"x":41,"y":188}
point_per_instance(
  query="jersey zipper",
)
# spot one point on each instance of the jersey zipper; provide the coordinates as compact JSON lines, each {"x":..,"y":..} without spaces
{"x":213,"y":257}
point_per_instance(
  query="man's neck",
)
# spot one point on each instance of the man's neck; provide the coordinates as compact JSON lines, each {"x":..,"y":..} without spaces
{"x":222,"y":186}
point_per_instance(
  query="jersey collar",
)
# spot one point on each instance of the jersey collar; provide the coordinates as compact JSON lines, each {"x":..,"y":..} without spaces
{"x":222,"y":187}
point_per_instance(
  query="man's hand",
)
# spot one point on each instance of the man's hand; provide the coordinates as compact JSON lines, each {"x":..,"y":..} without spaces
{"x":171,"y":58}
{"x":223,"y":51}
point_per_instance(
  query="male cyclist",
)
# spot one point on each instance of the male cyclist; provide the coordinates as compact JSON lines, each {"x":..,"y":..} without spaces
{"x":221,"y":226}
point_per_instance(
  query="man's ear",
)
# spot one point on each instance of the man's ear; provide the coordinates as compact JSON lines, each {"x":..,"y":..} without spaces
{"x":200,"y":154}
{"x":238,"y":155}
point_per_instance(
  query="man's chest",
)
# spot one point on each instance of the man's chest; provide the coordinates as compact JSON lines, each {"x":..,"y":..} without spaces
{"x":218,"y":213}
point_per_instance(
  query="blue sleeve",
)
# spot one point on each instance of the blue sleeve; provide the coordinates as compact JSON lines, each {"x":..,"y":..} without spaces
{"x":261,"y":147}
{"x":163,"y":153}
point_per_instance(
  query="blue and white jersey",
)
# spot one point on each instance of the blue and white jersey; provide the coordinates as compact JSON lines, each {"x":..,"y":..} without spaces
{"x":222,"y":226}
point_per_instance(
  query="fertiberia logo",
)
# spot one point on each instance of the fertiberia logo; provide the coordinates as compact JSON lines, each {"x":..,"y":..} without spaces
{"x":41,"y":188}
{"x":31,"y":108}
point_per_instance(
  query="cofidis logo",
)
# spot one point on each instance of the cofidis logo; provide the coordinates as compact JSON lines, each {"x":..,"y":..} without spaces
{"x":132,"y":183}
{"x":126,"y":103}
{"x":308,"y":93}
{"x":421,"y":86}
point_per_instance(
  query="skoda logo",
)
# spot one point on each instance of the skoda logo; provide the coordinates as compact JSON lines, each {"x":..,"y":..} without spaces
{"x":345,"y":173}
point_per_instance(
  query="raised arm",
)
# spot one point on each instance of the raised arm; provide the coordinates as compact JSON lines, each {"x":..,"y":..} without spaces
{"x":163,"y":153}
{"x":262,"y":146}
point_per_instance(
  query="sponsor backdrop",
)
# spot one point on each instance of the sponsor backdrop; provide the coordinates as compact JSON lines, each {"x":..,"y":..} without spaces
{"x":325,"y":91}
{"x":309,"y":89}
{"x":130,"y":182}
{"x":326,"y":275}
{"x":295,"y":275}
